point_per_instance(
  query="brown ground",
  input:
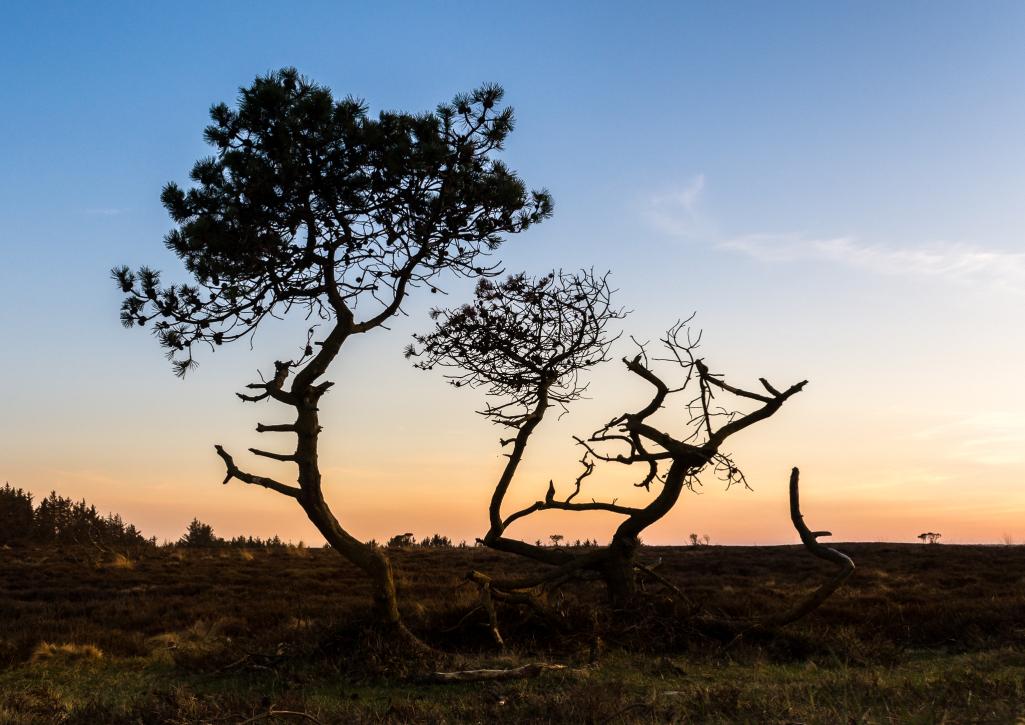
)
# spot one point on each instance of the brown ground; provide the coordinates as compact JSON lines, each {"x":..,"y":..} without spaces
{"x":919,"y":632}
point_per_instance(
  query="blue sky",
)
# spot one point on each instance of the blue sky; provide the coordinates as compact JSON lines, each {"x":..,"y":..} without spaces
{"x":836,"y":188}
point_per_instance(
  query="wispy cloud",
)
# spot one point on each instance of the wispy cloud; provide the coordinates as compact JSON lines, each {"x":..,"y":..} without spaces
{"x":677,"y":210}
{"x":993,"y":438}
{"x":111,"y":211}
{"x":954,"y":261}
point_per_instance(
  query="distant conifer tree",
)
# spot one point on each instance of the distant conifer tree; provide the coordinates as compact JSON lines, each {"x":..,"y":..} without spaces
{"x":199,"y":535}
{"x":16,"y":515}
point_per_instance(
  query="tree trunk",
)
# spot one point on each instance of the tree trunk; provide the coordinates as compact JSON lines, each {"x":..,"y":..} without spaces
{"x":618,"y":572}
{"x":386,"y":605}
{"x":618,"y":569}
{"x":371,"y":560}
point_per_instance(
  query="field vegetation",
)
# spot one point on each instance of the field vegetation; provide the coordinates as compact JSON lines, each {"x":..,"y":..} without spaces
{"x":920,"y":633}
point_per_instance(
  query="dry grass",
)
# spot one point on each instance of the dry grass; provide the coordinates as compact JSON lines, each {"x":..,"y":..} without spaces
{"x":194,"y":636}
{"x":121,"y":561}
{"x":245,"y":555}
{"x":48,"y":652}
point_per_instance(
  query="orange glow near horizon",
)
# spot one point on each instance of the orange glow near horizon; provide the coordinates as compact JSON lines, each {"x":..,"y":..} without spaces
{"x":869,"y":471}
{"x":850,"y":218}
{"x":447,"y":490}
{"x":882,"y":455}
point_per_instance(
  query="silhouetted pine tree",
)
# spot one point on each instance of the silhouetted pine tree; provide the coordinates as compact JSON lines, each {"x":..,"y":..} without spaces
{"x":200,"y":535}
{"x":310,"y":204}
{"x":59,"y":520}
{"x":16,"y":522}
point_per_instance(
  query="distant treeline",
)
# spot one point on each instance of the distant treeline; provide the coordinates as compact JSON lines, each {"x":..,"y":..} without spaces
{"x":59,"y":520}
{"x":201,"y":536}
{"x":62,"y":521}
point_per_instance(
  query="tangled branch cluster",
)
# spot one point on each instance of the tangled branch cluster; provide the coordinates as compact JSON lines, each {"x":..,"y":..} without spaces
{"x":633,"y":438}
{"x":527,"y":340}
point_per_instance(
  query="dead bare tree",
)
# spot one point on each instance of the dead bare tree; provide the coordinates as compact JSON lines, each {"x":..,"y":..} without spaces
{"x":671,"y":462}
{"x":313,"y":206}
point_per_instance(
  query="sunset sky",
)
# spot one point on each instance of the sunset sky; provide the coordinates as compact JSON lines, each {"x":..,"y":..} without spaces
{"x":835,"y":188}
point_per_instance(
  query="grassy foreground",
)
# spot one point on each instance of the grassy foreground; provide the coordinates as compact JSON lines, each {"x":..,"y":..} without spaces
{"x":920,"y":634}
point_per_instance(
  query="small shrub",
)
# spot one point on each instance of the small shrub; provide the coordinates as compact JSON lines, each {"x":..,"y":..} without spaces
{"x":400,"y":541}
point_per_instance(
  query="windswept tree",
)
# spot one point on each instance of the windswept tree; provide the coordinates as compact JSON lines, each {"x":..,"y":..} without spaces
{"x":671,"y":453}
{"x":528,"y":342}
{"x":310,"y":205}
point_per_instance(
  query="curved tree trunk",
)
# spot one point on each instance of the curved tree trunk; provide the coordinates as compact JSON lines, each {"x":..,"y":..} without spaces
{"x":619,"y":570}
{"x":304,"y":396}
{"x":618,"y":573}
{"x":370,"y":559}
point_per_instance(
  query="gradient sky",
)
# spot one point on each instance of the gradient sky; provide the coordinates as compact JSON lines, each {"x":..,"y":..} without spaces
{"x":836,"y":188}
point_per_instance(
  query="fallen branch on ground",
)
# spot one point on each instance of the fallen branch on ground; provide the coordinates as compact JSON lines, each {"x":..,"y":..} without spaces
{"x":516,"y":673}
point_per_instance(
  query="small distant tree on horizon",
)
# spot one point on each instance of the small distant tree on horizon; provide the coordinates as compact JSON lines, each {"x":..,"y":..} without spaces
{"x":200,"y":535}
{"x":930,"y":537}
{"x":311,"y":205}
{"x":436,"y":541}
{"x":400,"y":541}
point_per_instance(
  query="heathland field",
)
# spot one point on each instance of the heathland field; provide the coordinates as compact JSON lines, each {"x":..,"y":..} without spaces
{"x":921,"y":633}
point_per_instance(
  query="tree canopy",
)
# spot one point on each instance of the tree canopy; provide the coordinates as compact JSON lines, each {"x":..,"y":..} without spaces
{"x":310,"y":202}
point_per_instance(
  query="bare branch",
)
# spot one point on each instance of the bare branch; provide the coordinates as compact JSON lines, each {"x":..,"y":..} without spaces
{"x":761,"y":414}
{"x":767,"y":386}
{"x":277,"y":428}
{"x":844,"y":563}
{"x":588,"y":470}
{"x":287,"y":457}
{"x":516,"y":673}
{"x":234,"y":471}
{"x":712,"y":380}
